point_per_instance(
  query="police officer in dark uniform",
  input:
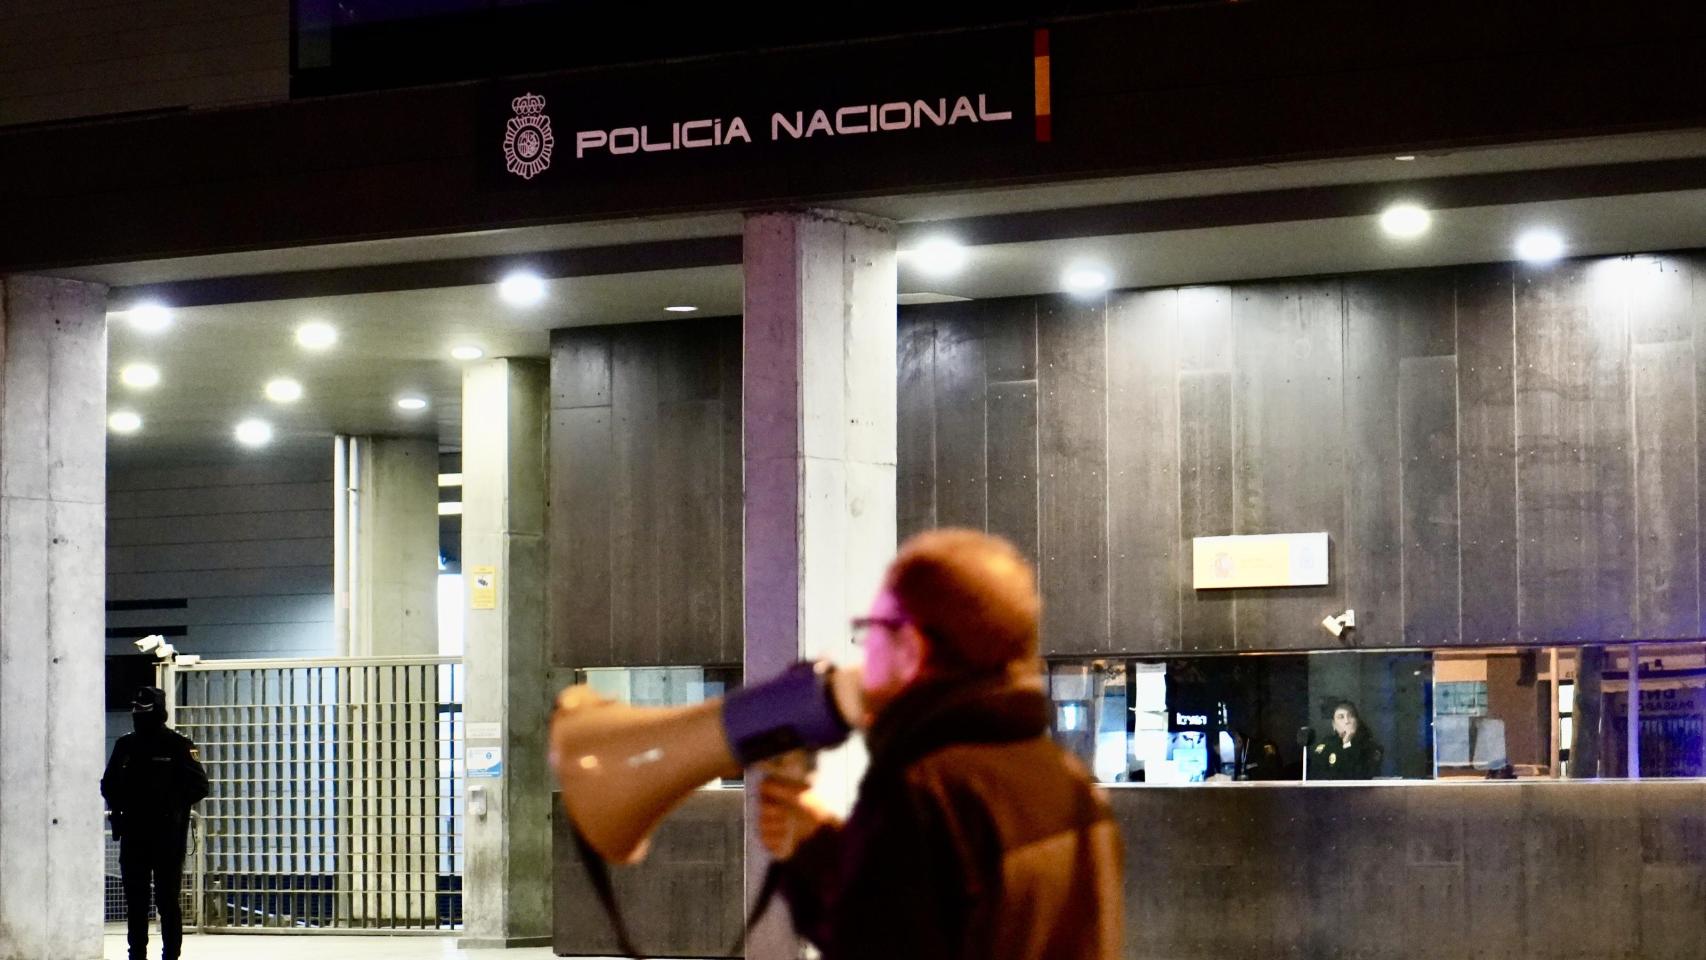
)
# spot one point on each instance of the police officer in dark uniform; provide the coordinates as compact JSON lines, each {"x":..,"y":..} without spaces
{"x":152,"y":780}
{"x":1351,"y":753}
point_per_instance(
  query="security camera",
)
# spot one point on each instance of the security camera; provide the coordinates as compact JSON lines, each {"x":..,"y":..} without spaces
{"x":165,"y":651}
{"x":1337,"y":625}
{"x":187,"y":660}
{"x":150,"y":642}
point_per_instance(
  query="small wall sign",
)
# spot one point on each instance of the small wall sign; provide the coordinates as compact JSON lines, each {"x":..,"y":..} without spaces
{"x":483,"y":588}
{"x":1265,"y":560}
{"x":485,"y":763}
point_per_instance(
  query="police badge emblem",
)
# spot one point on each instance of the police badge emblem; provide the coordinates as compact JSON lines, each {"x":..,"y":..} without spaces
{"x":527,"y":137}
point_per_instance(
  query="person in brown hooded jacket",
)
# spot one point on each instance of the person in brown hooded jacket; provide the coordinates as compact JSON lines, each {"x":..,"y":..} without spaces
{"x":973,"y":834}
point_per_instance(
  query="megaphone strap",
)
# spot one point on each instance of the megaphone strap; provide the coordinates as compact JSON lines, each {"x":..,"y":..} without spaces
{"x":766,"y":893}
{"x":599,"y":873}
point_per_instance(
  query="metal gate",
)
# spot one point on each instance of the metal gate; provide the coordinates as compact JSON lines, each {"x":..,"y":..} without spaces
{"x":335,"y":797}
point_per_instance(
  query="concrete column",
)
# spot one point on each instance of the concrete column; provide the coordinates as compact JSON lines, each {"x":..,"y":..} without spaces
{"x":53,"y":377}
{"x":386,"y":573}
{"x":393,"y":558}
{"x":506,"y":898}
{"x":818,"y":371}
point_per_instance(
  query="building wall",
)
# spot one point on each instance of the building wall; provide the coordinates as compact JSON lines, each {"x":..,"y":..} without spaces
{"x":645,"y":521}
{"x":65,"y":59}
{"x":1517,"y":870}
{"x":239,"y":556}
{"x":1498,"y":453}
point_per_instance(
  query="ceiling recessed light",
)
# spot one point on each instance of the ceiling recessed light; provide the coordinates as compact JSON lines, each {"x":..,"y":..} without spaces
{"x":316,"y":335}
{"x":283,"y":390}
{"x":681,"y":308}
{"x":150,"y":316}
{"x":467,"y":352}
{"x":1084,"y":281}
{"x":938,"y":257}
{"x":1539,"y":246}
{"x":411,"y":403}
{"x":1405,"y":221}
{"x":1405,"y":157}
{"x":124,"y":421}
{"x":254,"y":433}
{"x":140,"y":375}
{"x":522,"y":289}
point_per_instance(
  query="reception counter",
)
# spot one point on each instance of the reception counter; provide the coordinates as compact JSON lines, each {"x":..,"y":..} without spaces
{"x":1523,"y":870}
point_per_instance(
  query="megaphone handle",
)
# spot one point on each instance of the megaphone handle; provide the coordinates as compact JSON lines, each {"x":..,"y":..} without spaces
{"x":599,"y":873}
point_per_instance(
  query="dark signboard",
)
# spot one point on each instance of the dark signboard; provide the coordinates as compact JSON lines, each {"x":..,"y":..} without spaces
{"x":840,"y":105}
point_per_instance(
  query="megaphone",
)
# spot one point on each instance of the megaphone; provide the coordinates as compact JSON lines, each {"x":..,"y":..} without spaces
{"x":622,"y":769}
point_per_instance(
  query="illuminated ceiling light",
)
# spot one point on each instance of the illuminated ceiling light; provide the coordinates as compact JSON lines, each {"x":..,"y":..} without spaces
{"x":522,"y":289}
{"x":411,"y":403}
{"x":938,"y":257}
{"x":124,"y":421}
{"x":1084,"y":281}
{"x":316,"y":335}
{"x":1405,"y":221}
{"x":140,"y":375}
{"x":681,"y":308}
{"x":253,"y":433}
{"x":150,"y":316}
{"x":1405,"y":157}
{"x":467,"y":352}
{"x":1539,"y":246}
{"x":283,"y":390}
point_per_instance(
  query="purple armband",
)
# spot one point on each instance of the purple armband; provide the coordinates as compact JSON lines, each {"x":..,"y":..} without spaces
{"x":792,"y":711}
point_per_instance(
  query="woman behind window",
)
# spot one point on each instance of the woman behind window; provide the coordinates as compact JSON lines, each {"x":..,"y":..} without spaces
{"x":1351,"y":753}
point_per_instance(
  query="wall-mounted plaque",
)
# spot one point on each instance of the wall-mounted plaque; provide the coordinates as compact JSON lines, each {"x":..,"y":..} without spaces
{"x":1265,"y":560}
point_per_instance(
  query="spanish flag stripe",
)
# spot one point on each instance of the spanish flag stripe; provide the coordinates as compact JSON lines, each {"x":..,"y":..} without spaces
{"x":1040,"y":78}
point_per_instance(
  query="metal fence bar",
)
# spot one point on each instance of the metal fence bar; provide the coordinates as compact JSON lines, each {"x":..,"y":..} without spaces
{"x":335,"y":798}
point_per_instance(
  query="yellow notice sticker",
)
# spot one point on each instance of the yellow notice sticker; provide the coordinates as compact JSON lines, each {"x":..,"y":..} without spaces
{"x":483,"y":588}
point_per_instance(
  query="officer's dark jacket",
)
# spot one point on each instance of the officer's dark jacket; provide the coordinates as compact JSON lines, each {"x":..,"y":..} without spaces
{"x":973,"y":836}
{"x":152,"y":780}
{"x":1335,"y":761}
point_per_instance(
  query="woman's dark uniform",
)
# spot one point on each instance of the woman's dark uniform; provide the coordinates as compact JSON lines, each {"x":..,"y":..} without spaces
{"x":1333,"y":760}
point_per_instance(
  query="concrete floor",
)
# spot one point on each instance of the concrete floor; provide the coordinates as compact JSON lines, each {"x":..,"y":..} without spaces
{"x":284,"y":947}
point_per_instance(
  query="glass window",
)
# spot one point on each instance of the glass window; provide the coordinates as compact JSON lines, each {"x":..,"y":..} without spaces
{"x":1482,"y":714}
{"x":661,"y":686}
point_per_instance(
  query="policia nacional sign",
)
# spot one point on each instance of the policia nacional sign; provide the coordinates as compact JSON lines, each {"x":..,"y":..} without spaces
{"x":834,"y":105}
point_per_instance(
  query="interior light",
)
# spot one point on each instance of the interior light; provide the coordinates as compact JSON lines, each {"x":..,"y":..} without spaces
{"x":938,"y":257}
{"x":124,"y":421}
{"x":1539,"y":246}
{"x":316,"y":335}
{"x":522,"y":289}
{"x":1405,"y":157}
{"x":1405,"y":221}
{"x":1084,"y":281}
{"x":140,"y":375}
{"x":254,"y":433}
{"x":681,"y":308}
{"x":411,"y":403}
{"x":150,"y":316}
{"x":283,"y":390}
{"x":467,"y":352}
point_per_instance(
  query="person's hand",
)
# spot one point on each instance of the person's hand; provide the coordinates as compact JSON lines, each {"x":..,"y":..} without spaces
{"x":788,"y":813}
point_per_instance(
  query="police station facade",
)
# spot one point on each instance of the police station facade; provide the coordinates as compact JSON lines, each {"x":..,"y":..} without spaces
{"x":812,"y":170}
